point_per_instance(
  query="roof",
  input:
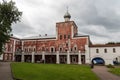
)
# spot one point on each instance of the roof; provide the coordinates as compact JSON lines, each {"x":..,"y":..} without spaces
{"x":81,"y":35}
{"x":15,"y":37}
{"x":39,"y":37}
{"x":104,"y":45}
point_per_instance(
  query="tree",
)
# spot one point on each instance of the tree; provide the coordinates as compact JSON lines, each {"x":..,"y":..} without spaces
{"x":9,"y":14}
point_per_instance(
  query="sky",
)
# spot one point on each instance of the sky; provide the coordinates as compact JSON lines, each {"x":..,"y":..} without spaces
{"x":100,"y":19}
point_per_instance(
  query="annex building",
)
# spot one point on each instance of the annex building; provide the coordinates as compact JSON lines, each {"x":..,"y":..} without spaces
{"x":66,"y":47}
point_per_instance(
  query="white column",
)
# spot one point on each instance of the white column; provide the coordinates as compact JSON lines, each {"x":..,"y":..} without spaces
{"x":87,"y":55}
{"x":14,"y":50}
{"x":79,"y":57}
{"x":43,"y":56}
{"x":68,"y":57}
{"x":57,"y":58}
{"x":33,"y":57}
{"x":22,"y":59}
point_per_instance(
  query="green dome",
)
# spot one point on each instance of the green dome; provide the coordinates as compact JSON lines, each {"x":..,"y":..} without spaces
{"x":67,"y":15}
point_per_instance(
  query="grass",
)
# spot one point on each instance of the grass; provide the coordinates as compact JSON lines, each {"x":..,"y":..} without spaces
{"x":32,"y":71}
{"x":115,"y":71}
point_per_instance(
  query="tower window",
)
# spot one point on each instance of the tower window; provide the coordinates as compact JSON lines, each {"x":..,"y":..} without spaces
{"x":114,"y":50}
{"x":68,"y":36}
{"x":64,"y":36}
{"x":60,"y":37}
{"x":97,"y":50}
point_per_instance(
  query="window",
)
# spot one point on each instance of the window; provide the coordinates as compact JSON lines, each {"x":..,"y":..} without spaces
{"x":60,"y":49}
{"x":71,"y":49}
{"x":34,"y":49}
{"x":75,"y":48}
{"x":68,"y":36}
{"x":66,"y":44}
{"x":97,"y":50}
{"x":105,"y":50}
{"x":43,"y":49}
{"x":114,"y":50}
{"x":52,"y":49}
{"x":60,"y":37}
{"x":64,"y":36}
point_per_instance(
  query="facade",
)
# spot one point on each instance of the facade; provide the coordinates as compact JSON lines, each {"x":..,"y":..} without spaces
{"x":109,"y":53}
{"x":67,"y":47}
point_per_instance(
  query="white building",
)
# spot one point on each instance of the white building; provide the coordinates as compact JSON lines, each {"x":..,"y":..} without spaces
{"x":106,"y":54}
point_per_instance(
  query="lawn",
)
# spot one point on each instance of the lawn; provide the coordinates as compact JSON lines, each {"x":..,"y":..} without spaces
{"x":32,"y":71}
{"x":115,"y":71}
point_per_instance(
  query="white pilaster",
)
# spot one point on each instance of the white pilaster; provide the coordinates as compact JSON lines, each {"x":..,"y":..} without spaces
{"x":79,"y":57}
{"x":33,"y":57}
{"x":57,"y":58}
{"x":13,"y":58}
{"x":68,"y":57}
{"x":43,"y":56}
{"x":22,"y":59}
{"x":87,"y":55}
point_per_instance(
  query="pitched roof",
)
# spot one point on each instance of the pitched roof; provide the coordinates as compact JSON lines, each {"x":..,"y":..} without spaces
{"x":105,"y":45}
{"x":39,"y":37}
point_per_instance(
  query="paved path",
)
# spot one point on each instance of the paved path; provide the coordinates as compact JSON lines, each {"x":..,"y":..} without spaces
{"x":103,"y":74}
{"x":5,"y":71}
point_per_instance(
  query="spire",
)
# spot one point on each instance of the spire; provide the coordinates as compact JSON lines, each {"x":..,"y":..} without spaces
{"x":67,"y":16}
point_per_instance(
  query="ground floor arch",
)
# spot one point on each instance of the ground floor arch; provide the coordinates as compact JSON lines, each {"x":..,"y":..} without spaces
{"x":98,"y":61}
{"x":116,"y":60}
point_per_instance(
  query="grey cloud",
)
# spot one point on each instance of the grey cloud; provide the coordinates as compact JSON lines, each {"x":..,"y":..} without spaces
{"x":40,"y":17}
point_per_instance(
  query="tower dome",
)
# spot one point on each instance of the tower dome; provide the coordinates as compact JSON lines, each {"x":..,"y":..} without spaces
{"x":67,"y":16}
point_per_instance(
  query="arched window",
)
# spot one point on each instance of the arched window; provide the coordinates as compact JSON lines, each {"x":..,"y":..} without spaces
{"x":52,"y":49}
{"x":60,"y":37}
{"x":114,"y":50}
{"x":43,"y":49}
{"x":60,"y":49}
{"x":64,"y":36}
{"x":75,"y":48}
{"x":68,"y":36}
{"x":97,"y":50}
{"x":105,"y":50}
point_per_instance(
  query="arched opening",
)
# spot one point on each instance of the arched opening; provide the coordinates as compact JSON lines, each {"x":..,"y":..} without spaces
{"x":98,"y":61}
{"x":116,"y":60}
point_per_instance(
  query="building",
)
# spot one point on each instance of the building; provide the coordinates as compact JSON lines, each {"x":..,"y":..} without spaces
{"x":67,"y":47}
{"x":106,"y":53}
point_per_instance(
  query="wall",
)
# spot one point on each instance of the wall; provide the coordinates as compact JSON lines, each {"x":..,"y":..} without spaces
{"x":108,"y":57}
{"x":1,"y":57}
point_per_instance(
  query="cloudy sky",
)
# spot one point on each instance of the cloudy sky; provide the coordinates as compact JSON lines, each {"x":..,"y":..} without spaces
{"x":100,"y":19}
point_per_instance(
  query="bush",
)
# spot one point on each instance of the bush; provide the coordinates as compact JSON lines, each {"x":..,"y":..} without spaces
{"x":110,"y":66}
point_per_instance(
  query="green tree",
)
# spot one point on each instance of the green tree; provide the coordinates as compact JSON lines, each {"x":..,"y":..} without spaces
{"x":9,"y":14}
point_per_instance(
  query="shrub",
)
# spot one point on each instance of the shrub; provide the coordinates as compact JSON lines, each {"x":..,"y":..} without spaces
{"x":110,"y":66}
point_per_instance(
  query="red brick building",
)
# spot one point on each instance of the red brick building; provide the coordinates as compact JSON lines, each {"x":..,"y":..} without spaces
{"x":66,"y":47}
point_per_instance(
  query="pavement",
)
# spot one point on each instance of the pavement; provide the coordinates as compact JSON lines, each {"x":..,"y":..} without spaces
{"x":103,"y":74}
{"x":5,"y":71}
